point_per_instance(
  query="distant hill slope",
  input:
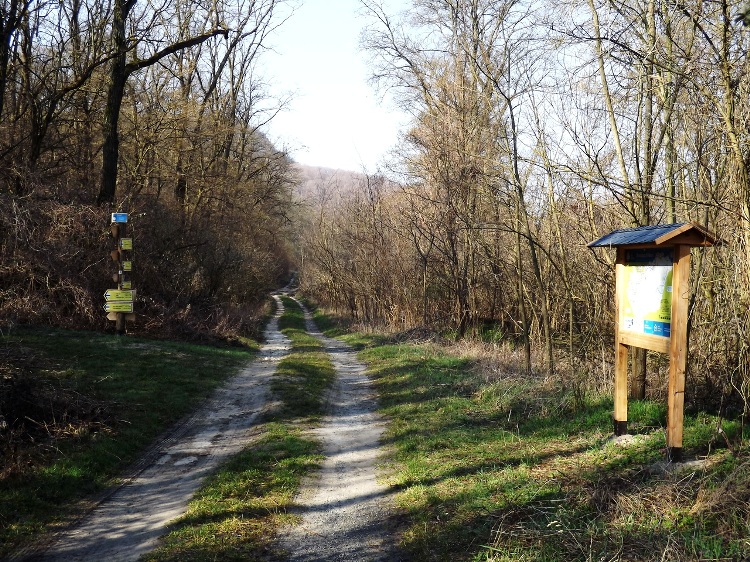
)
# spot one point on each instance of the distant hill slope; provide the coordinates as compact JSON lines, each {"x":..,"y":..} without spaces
{"x":315,"y":181}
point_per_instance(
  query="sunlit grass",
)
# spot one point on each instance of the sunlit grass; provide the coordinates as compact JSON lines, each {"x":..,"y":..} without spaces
{"x":503,"y":468}
{"x":135,"y":389}
{"x":510,"y":469}
{"x":236,"y":512}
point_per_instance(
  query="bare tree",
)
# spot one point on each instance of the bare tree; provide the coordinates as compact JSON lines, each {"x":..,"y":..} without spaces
{"x":124,"y":44}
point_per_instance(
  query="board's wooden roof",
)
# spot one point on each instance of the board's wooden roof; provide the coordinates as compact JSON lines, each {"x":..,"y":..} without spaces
{"x":684,"y":233}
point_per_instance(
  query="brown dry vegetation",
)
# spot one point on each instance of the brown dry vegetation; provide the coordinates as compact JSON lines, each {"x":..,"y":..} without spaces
{"x":209,"y":198}
{"x":534,"y":134}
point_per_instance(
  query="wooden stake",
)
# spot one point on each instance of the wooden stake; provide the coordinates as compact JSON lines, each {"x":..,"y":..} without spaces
{"x":678,"y":352}
{"x":121,"y":318}
{"x":638,"y":356}
{"x":621,"y":354}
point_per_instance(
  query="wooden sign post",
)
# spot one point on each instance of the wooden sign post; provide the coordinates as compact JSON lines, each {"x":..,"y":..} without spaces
{"x":652,"y":286}
{"x":119,"y":301}
{"x":678,"y":349}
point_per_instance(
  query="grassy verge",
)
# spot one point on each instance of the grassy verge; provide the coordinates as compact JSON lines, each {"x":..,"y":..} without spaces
{"x":329,"y":324}
{"x":80,"y":407}
{"x":237,"y":512}
{"x":509,"y":470}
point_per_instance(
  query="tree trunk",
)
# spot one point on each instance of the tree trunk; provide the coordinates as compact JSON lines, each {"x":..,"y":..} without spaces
{"x":118,"y":75}
{"x":522,"y":299}
{"x":638,"y":379}
{"x":117,"y":78}
{"x":9,"y":24}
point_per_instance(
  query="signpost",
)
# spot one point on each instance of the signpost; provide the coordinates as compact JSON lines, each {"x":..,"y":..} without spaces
{"x":118,"y":306}
{"x":652,"y":289}
{"x":119,"y":295}
{"x":119,"y":301}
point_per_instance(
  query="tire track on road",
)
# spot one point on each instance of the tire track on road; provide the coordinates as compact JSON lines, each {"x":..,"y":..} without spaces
{"x":346,"y":513}
{"x":128,"y":523}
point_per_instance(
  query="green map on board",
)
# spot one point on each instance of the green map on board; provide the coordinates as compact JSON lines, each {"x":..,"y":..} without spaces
{"x":646,"y":305}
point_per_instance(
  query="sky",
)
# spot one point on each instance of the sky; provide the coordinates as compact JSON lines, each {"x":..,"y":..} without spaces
{"x":335,"y":118}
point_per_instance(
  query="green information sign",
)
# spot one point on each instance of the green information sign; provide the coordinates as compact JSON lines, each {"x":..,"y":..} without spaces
{"x":118,"y":295}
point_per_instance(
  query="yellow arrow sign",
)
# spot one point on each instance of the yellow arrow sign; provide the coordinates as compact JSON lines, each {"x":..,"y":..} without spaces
{"x":126,"y":243}
{"x":119,"y":306}
{"x":118,"y":295}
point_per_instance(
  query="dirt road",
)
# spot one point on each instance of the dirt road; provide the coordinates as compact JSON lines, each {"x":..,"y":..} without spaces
{"x":344,"y":511}
{"x":129,"y":523}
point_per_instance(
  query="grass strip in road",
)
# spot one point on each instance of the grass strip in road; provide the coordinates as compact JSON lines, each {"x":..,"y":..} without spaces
{"x":304,"y":376}
{"x":508,"y":469}
{"x":238,"y":510}
{"x":92,"y":403}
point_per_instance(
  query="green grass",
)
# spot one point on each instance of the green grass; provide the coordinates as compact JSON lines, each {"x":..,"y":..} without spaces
{"x":237,"y":511}
{"x":304,"y":375}
{"x":496,"y":470}
{"x":125,"y":392}
{"x":329,"y":324}
{"x":510,"y":470}
{"x":235,"y":514}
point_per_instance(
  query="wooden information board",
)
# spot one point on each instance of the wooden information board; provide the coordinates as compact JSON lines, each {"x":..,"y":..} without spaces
{"x":652,"y":291}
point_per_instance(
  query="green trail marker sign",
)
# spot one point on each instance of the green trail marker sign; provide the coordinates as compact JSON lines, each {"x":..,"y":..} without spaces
{"x":118,"y":295}
{"x":119,"y":306}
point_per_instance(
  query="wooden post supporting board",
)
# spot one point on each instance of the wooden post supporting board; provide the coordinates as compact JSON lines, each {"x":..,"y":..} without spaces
{"x":620,"y":414}
{"x":678,"y":349}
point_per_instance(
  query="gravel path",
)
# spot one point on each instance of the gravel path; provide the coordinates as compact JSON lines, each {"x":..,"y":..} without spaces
{"x":346,"y":514}
{"x":130,"y":521}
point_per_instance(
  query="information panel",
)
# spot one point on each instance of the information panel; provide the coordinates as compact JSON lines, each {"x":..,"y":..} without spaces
{"x":646,"y":296}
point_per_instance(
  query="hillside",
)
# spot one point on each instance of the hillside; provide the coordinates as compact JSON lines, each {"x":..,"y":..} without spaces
{"x":315,"y":182}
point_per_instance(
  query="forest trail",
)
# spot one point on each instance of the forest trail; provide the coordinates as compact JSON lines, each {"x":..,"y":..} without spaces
{"x":344,"y":510}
